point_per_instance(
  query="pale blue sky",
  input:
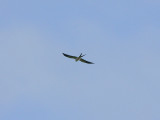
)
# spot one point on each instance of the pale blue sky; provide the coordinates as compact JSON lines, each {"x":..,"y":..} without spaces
{"x":121,"y":37}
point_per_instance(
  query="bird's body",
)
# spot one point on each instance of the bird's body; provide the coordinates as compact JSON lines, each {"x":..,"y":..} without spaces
{"x":78,"y":58}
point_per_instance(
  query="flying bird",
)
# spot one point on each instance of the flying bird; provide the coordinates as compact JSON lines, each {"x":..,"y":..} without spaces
{"x":78,"y":58}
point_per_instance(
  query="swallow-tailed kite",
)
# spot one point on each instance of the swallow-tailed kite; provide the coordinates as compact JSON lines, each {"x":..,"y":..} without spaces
{"x":78,"y":58}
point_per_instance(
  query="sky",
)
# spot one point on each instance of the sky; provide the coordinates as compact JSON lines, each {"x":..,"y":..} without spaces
{"x":122,"y":38}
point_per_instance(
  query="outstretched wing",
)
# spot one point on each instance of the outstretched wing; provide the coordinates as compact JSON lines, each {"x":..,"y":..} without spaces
{"x":85,"y":61}
{"x":69,"y":56}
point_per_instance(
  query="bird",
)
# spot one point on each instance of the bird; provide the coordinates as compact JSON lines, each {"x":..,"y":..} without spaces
{"x":78,"y":58}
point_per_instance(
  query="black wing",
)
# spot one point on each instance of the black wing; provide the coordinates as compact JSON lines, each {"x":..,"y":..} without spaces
{"x":69,"y":56}
{"x":85,"y":61}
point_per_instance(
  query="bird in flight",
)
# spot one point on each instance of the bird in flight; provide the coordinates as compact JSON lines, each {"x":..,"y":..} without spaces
{"x":78,"y":58}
